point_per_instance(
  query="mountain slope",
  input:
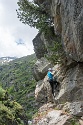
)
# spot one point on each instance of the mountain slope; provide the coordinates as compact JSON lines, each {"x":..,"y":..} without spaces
{"x":5,"y":60}
{"x":17,"y":78}
{"x":11,"y":112}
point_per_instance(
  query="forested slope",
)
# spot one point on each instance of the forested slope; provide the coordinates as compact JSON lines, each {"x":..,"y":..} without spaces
{"x":17,"y":78}
{"x":11,"y":112}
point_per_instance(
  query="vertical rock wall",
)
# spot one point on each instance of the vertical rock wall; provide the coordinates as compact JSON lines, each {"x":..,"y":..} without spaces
{"x":68,"y":21}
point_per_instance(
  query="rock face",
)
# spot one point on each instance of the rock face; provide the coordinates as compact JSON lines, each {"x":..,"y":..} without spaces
{"x":74,"y":108}
{"x":43,"y":92}
{"x":47,"y":115}
{"x":39,"y":46}
{"x":68,"y":21}
{"x":42,"y":43}
{"x":41,"y":68}
{"x":72,"y":84}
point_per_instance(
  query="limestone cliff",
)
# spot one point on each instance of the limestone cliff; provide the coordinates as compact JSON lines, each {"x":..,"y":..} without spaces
{"x":68,"y":24}
{"x":68,"y":21}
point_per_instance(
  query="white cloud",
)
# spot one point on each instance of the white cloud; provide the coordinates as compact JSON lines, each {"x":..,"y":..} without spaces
{"x":8,"y":46}
{"x":11,"y":30}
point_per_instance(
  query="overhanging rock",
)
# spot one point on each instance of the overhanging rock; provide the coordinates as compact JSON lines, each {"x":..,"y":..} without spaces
{"x":41,"y":68}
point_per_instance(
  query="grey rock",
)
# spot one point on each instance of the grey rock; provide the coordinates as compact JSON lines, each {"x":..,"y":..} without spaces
{"x":68,"y":22}
{"x":43,"y":44}
{"x":43,"y":92}
{"x":41,"y":68}
{"x":53,"y":117}
{"x":39,"y":46}
{"x":71,"y":85}
{"x":74,"y":108}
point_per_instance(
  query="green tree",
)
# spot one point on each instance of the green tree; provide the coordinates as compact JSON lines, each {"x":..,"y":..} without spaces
{"x":33,"y":15}
{"x":11,"y":112}
{"x":36,"y":16}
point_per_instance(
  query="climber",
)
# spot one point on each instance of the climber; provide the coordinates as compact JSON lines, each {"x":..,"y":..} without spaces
{"x":51,"y":80}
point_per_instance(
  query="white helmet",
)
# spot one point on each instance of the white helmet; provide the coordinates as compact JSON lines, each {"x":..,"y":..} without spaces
{"x":50,"y":69}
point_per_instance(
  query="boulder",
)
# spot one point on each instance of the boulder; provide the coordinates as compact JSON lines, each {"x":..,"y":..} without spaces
{"x":43,"y":92}
{"x":41,"y":68}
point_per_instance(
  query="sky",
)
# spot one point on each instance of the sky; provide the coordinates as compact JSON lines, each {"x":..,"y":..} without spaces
{"x":15,"y":37}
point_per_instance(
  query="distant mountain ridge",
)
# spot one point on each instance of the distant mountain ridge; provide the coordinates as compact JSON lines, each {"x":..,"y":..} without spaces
{"x":5,"y":60}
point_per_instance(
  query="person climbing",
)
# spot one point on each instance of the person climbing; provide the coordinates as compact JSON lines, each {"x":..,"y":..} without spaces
{"x":52,"y":81}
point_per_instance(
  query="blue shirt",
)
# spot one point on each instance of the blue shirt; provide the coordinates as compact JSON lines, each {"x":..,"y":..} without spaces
{"x":50,"y":75}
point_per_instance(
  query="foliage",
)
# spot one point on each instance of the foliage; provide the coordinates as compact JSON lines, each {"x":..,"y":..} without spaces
{"x":56,"y":51}
{"x":3,"y":94}
{"x":54,"y":56}
{"x":74,"y":121}
{"x":10,"y":112}
{"x":17,"y":78}
{"x":36,"y":16}
{"x":33,"y":15}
